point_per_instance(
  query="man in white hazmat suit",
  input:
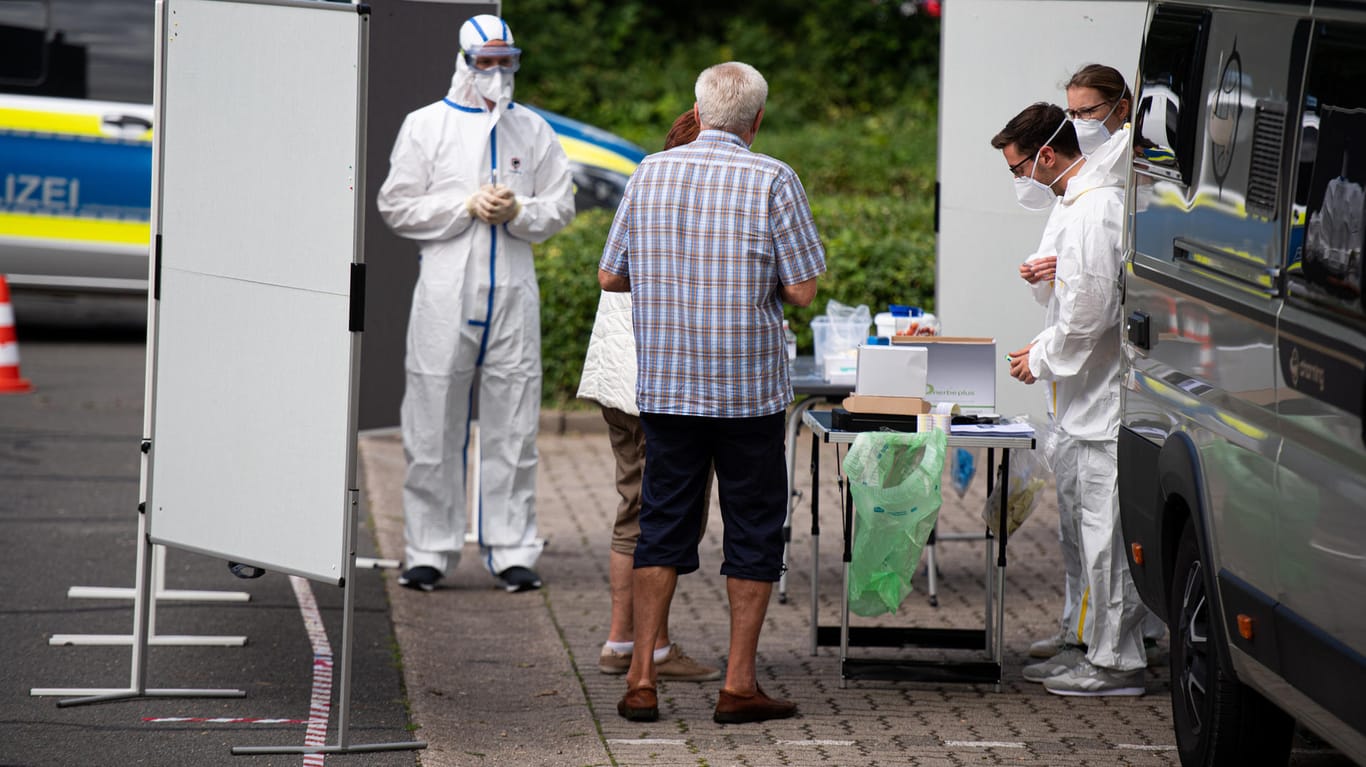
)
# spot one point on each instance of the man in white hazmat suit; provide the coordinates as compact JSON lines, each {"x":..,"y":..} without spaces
{"x":476,"y":179}
{"x":1078,"y":355}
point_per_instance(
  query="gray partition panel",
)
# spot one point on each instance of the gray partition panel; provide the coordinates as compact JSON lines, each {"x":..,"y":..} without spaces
{"x":258,"y":210}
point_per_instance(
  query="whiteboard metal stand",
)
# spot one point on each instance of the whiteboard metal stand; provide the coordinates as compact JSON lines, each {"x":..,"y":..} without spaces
{"x":143,"y":605}
{"x":159,"y":593}
{"x":372,"y":563}
{"x":158,"y":588}
{"x":142,"y":610}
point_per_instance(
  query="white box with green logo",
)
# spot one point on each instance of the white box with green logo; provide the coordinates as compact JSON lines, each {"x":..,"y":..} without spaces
{"x":961,"y":371}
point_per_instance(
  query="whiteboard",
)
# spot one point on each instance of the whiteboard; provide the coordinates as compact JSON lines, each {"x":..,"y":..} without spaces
{"x":996,"y":58}
{"x":257,"y":167}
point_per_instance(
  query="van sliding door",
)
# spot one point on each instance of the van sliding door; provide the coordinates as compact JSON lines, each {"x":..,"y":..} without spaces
{"x":1208,"y":230}
{"x":1321,"y":477}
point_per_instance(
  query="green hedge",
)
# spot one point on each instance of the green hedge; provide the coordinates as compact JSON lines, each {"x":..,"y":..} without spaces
{"x":851,"y":107}
{"x":629,"y":65}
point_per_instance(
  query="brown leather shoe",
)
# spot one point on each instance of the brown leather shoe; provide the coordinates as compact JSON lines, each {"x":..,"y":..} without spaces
{"x":732,"y":708}
{"x":640,"y":704}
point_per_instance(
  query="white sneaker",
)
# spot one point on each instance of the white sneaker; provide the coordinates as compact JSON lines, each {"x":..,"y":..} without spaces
{"x":1047,"y":648}
{"x":1091,"y":680}
{"x":1064,"y":660}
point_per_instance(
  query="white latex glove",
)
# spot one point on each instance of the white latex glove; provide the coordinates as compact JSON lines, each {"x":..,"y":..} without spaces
{"x":504,"y":205}
{"x":482,"y":204}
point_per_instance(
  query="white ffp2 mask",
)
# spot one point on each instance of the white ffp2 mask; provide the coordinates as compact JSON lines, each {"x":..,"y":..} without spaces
{"x":1091,"y":134}
{"x":1032,"y":194}
{"x":496,"y":87}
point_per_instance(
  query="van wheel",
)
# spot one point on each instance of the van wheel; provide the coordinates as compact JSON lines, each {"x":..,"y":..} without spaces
{"x":1218,"y":720}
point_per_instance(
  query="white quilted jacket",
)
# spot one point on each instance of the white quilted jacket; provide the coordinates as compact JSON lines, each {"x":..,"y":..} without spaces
{"x":609,"y":367}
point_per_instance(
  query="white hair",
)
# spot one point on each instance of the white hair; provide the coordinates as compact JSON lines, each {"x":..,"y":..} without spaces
{"x":729,"y":96}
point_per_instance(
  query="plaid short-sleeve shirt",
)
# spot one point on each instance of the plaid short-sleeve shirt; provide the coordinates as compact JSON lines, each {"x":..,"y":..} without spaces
{"x":707,"y":232}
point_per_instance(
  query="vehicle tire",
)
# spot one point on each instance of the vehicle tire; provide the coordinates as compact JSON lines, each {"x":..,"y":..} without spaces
{"x":1217,"y":719}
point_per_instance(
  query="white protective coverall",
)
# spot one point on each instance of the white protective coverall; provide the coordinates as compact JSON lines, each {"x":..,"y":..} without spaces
{"x":476,"y":307}
{"x":1077,"y":356}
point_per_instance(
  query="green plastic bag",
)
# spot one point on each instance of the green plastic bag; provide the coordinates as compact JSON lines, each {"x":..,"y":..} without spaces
{"x":894,"y":479}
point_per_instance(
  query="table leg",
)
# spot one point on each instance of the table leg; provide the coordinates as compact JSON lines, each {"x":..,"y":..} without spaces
{"x":794,"y":425}
{"x":815,"y":535}
{"x":932,"y":569}
{"x":847,"y":504}
{"x":1001,"y":566}
{"x":990,"y":572}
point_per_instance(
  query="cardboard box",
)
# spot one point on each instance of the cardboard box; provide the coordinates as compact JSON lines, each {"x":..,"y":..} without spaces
{"x":859,"y":403}
{"x":959,"y":370}
{"x":891,"y":371}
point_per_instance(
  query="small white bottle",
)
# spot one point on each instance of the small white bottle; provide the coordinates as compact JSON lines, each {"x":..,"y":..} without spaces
{"x":791,"y":339}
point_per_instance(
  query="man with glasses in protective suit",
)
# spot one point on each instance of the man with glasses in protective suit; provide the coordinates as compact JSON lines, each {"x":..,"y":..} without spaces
{"x":1078,"y":355}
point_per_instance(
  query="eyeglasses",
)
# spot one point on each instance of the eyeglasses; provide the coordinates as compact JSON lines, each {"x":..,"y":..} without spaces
{"x":1015,"y":169}
{"x":1086,"y":112}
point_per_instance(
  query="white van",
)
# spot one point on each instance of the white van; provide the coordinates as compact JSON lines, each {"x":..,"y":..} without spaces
{"x":1242,"y":469}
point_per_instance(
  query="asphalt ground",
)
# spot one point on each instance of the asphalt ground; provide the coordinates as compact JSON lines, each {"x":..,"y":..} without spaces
{"x":484,"y":677}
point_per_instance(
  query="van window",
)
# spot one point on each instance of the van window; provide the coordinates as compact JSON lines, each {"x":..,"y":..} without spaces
{"x":1173,"y":61}
{"x":1326,"y":267}
{"x":77,"y":49}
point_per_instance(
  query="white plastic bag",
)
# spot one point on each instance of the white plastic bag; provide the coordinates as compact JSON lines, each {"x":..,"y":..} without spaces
{"x":848,"y":326}
{"x":1028,"y":477}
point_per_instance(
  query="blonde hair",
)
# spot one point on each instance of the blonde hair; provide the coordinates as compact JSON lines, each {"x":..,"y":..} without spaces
{"x":729,"y":96}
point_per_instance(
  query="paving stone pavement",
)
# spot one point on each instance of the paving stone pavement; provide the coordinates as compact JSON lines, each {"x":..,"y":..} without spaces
{"x":501,"y":679}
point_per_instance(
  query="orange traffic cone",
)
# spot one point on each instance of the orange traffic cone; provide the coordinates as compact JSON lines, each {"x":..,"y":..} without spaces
{"x":10,"y":380}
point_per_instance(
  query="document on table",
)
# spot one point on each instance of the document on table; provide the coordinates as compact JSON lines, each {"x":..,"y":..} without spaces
{"x":993,"y":429}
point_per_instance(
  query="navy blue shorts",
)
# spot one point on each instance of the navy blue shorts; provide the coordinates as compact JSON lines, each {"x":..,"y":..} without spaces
{"x":751,"y":480}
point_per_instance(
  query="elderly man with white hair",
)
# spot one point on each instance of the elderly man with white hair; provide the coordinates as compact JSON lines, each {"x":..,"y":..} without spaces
{"x":711,"y":239}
